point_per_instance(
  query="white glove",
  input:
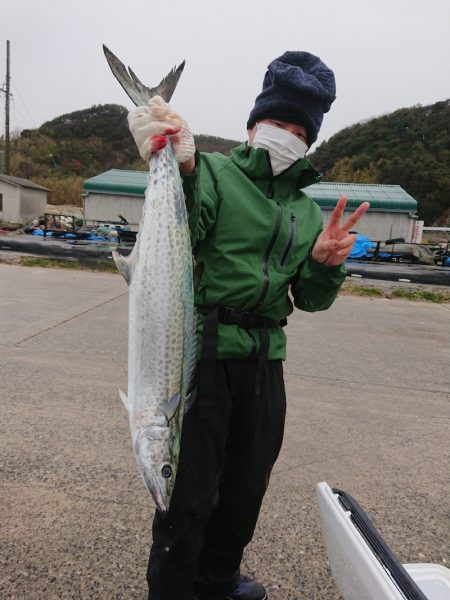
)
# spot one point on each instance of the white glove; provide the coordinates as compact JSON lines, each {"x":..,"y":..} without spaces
{"x":152,"y":126}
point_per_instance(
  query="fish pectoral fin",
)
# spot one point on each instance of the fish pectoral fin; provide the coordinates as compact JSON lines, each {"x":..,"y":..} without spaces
{"x":124,"y":399}
{"x":124,"y":264}
{"x":171,"y":407}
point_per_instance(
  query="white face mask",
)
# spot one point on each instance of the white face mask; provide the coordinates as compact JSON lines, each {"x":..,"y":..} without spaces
{"x":284,"y":147}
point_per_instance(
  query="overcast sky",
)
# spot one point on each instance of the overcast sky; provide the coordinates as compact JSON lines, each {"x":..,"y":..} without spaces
{"x":386,"y":54}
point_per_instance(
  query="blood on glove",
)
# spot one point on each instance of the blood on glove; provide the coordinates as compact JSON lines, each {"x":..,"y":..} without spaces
{"x":152,"y":126}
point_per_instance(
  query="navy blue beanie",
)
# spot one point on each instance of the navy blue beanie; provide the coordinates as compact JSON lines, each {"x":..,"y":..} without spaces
{"x":298,"y":88}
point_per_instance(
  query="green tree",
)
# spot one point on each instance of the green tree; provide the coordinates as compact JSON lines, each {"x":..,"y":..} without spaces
{"x":409,"y":147}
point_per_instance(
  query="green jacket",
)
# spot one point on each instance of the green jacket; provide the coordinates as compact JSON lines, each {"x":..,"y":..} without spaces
{"x":252,"y":234}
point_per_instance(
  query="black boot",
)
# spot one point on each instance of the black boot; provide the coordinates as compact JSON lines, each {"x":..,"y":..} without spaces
{"x":246,"y":589}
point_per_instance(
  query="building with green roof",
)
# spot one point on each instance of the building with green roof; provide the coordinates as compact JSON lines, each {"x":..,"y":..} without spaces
{"x":392,"y":213}
{"x":113,"y":193}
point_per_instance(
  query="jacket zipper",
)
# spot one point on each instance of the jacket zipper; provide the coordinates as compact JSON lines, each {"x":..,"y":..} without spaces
{"x":292,"y":232}
{"x":276,"y":231}
{"x":270,"y":194}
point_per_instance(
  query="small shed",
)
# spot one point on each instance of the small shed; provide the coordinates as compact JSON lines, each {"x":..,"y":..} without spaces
{"x":21,"y":200}
{"x":392,"y":213}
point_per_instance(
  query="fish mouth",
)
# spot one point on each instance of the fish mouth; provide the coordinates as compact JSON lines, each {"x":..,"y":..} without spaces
{"x":159,"y":496}
{"x":161,"y":505}
{"x":152,"y":466}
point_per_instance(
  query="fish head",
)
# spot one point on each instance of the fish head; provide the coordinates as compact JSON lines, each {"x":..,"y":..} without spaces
{"x":156,"y":464}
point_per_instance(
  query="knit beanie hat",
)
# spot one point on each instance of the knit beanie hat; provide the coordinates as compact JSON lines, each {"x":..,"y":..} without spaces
{"x":298,"y":88}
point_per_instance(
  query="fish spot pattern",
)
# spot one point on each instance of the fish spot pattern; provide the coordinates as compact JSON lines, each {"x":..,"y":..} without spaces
{"x":160,"y":313}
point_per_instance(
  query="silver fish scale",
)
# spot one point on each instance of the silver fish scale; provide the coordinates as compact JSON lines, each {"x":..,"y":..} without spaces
{"x":161,"y":344}
{"x":161,"y":315}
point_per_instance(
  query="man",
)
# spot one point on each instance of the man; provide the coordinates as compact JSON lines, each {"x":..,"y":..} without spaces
{"x":257,"y":238}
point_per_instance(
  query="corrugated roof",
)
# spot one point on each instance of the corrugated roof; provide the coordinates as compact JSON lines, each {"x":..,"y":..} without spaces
{"x":381,"y":197}
{"x":325,"y":193}
{"x":117,"y":181}
{"x":18,"y":181}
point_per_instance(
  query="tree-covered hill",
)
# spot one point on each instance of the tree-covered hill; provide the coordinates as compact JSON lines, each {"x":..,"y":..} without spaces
{"x":409,"y":147}
{"x":63,"y":152}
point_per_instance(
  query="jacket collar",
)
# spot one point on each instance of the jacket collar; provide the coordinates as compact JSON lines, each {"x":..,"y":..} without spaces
{"x":255,"y":163}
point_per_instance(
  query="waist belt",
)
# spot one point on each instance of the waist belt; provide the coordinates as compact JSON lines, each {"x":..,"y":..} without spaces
{"x":227,"y":316}
{"x":242,"y":318}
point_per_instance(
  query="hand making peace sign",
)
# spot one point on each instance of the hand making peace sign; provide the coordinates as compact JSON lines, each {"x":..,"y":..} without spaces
{"x":335,"y":243}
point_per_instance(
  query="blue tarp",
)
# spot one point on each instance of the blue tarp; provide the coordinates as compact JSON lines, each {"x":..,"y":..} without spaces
{"x":70,"y":236}
{"x":361,"y":246}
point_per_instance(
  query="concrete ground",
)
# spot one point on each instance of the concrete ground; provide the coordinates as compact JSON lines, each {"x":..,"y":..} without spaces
{"x":368,"y":389}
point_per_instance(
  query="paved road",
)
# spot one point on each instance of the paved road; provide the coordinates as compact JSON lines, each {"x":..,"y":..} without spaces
{"x":368,"y":392}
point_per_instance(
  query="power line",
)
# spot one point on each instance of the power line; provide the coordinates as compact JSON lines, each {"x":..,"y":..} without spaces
{"x":29,"y":119}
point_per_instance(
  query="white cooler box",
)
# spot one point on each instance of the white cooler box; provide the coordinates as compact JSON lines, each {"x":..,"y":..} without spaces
{"x":362,"y":565}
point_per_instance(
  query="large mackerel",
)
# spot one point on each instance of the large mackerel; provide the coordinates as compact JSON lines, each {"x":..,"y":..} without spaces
{"x":161,"y":346}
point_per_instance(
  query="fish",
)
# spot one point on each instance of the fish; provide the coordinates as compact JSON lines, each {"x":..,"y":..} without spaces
{"x":161,"y":314}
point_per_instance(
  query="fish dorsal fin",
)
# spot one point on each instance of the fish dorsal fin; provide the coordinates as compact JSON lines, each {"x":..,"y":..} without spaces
{"x":190,"y":399}
{"x":193,"y":369}
{"x":171,"y":407}
{"x":125,"y":400}
{"x":194,"y":348}
{"x":124,"y":264}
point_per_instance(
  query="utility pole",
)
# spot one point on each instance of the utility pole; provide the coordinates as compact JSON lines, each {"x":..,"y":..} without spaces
{"x":6,"y":89}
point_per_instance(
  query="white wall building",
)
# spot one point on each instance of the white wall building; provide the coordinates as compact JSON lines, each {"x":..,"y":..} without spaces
{"x":21,"y":200}
{"x":392,"y":214}
{"x":114,"y":194}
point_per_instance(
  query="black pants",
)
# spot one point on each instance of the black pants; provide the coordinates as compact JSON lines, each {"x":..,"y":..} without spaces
{"x":226,"y":458}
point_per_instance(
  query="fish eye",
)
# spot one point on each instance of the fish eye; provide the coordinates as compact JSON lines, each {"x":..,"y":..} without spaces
{"x":166,"y":471}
